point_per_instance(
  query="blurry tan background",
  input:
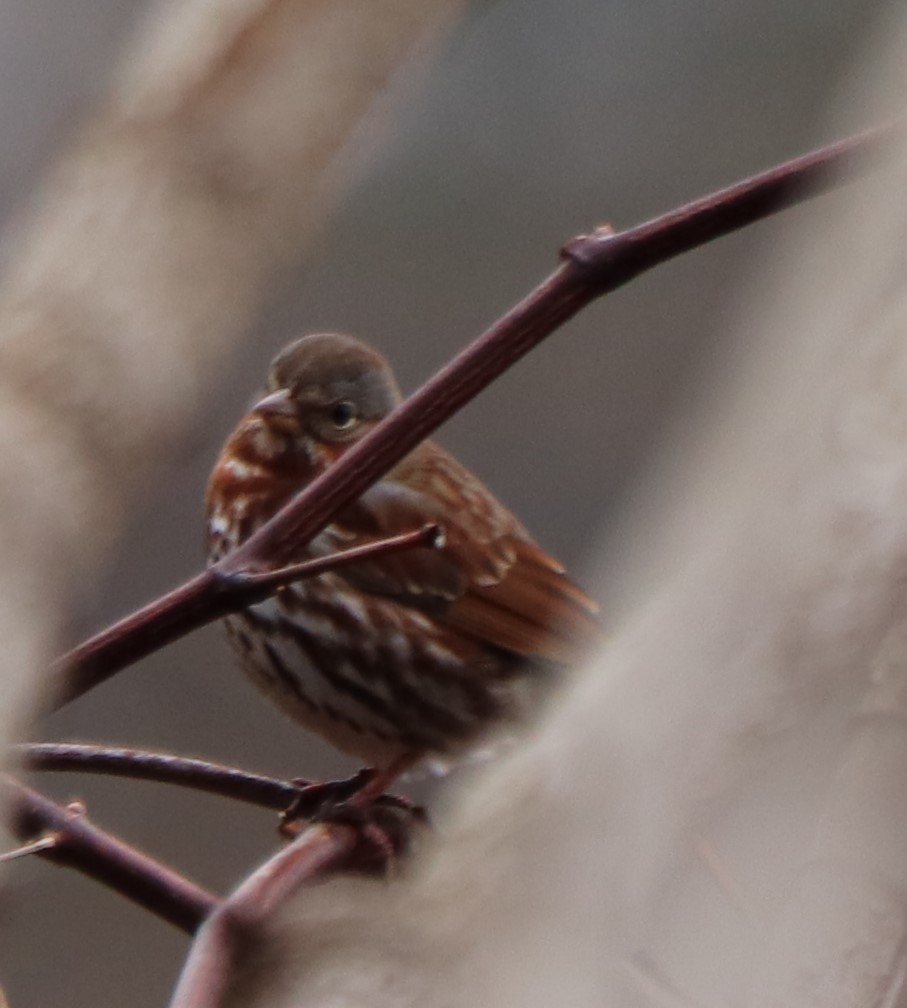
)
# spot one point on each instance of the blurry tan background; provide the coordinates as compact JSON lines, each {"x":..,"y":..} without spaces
{"x":538,"y":120}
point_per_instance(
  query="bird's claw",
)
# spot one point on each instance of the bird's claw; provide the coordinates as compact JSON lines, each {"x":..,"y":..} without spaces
{"x":384,"y":831}
{"x":315,"y":796}
{"x":383,"y":823}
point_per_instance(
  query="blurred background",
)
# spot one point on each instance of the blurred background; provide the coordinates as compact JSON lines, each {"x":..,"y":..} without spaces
{"x":537,"y":120}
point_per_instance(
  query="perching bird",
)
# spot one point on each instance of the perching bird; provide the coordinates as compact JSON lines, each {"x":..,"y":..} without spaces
{"x":409,"y":655}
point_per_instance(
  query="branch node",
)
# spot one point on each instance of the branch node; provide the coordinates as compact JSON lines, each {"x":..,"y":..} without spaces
{"x":230,"y":582}
{"x":585,"y":250}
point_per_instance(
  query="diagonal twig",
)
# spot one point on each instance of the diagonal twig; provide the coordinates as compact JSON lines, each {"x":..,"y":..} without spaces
{"x":80,"y":844}
{"x":592,"y":265}
{"x":217,"y":592}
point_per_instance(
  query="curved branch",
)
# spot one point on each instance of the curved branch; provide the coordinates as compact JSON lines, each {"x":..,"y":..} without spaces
{"x":305,"y":798}
{"x":593,"y":265}
{"x":229,"y":782}
{"x":229,"y":937}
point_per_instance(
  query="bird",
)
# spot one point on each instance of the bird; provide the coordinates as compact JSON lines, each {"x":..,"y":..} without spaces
{"x":409,"y":657}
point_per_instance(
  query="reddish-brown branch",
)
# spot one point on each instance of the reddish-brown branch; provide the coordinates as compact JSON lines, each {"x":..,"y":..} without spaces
{"x":593,"y":265}
{"x":81,"y":845}
{"x":373,"y":841}
{"x":226,"y":937}
{"x":217,"y":591}
{"x":229,"y":782}
{"x":262,"y":584}
{"x":305,"y":798}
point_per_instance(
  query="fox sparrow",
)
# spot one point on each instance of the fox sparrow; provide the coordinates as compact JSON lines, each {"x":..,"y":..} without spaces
{"x":409,"y":654}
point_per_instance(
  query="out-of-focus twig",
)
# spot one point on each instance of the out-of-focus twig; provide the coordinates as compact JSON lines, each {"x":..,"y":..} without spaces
{"x":593,"y":265}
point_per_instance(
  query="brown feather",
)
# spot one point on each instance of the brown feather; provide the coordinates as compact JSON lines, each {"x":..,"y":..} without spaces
{"x":534,"y":610}
{"x":414,"y":652}
{"x":490,"y":582}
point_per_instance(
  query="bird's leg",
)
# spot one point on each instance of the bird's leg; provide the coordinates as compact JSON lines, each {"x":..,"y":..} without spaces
{"x":314,"y":796}
{"x":316,"y":800}
{"x":379,"y":780}
{"x":383,"y":821}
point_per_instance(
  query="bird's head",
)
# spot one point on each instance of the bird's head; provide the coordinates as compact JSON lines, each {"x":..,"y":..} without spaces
{"x":326,"y":391}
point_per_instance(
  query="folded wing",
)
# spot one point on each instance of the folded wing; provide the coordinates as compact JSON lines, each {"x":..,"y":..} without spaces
{"x":490,"y":581}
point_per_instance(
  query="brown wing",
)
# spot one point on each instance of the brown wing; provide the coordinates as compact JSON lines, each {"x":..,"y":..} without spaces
{"x":490,"y":581}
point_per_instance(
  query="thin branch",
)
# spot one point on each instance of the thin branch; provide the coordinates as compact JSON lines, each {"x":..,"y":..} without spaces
{"x":255,"y":587}
{"x":81,"y":845}
{"x":593,"y":265}
{"x":229,"y":782}
{"x":216,"y":592}
{"x":305,"y":798}
{"x":44,"y":843}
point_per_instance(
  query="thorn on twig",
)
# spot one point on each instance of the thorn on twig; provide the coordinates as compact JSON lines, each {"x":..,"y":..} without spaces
{"x":44,"y":843}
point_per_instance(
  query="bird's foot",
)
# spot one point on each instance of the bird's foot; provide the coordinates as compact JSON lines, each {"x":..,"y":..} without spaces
{"x":385,"y":824}
{"x":364,"y":791}
{"x":386,"y":828}
{"x":315,"y":796}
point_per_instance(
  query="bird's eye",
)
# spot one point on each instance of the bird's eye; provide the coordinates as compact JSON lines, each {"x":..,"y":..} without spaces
{"x":344,"y":415}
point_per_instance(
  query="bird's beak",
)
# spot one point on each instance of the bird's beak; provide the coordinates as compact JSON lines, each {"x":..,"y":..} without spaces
{"x":277,"y":404}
